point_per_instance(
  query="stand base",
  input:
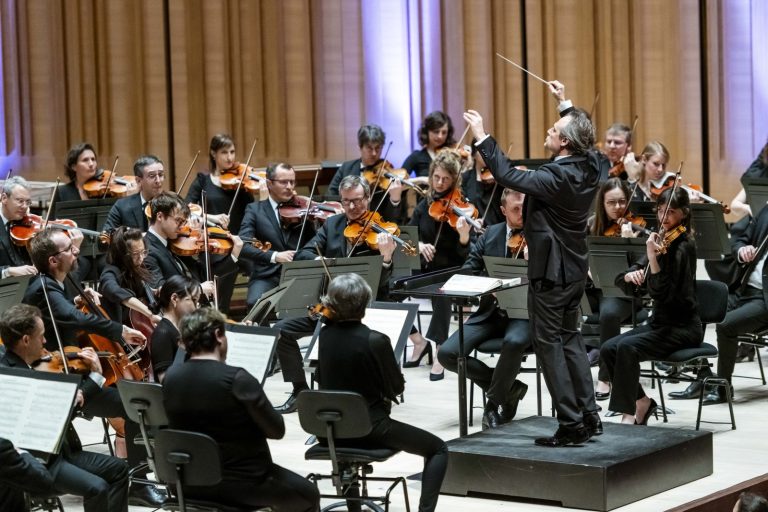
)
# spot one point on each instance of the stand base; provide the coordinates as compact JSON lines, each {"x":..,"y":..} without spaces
{"x":625,"y":464}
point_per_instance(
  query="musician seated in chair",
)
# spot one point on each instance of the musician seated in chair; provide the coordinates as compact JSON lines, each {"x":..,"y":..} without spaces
{"x":15,"y":200}
{"x":352,"y":357}
{"x":503,"y":391}
{"x":102,"y":480}
{"x":206,"y":395}
{"x":20,"y":472}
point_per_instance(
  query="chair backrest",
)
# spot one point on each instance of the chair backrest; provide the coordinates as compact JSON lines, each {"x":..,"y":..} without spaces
{"x":146,"y":397}
{"x":347,"y":411}
{"x":196,"y":454}
{"x":712,"y":297}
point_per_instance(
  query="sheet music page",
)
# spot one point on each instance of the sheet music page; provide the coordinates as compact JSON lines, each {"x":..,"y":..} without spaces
{"x":249,"y":351}
{"x":386,"y":321}
{"x":35,"y":411}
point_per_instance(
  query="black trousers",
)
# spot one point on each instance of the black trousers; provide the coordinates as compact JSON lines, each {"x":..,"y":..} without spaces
{"x":440,"y":322}
{"x":496,"y":382}
{"x":396,"y":435}
{"x":554,"y":316}
{"x":747,"y":313}
{"x":624,"y":353}
{"x":288,"y":352}
{"x":107,"y":404}
{"x":257,"y":287}
{"x":100,"y":479}
{"x":279,"y":488}
{"x":613,"y":312}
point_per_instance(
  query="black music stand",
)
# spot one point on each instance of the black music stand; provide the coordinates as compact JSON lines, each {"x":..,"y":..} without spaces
{"x":310,"y":277}
{"x":430,"y":285}
{"x":260,"y":311}
{"x":608,"y":257}
{"x":402,"y":264}
{"x":12,"y":290}
{"x":757,"y":193}
{"x":514,"y":301}
{"x":646,"y":210}
{"x":710,"y":231}
{"x":89,"y":214}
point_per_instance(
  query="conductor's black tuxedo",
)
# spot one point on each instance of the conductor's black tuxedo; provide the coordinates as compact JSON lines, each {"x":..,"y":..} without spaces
{"x":127,"y":211}
{"x":558,"y":200}
{"x":260,"y":222}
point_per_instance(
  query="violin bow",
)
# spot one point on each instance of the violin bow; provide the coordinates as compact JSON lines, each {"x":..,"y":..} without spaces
{"x":242,"y":178}
{"x":488,"y":206}
{"x":53,"y":322}
{"x":594,"y":104}
{"x":205,"y":248}
{"x":381,"y":169}
{"x":306,"y":213}
{"x":661,"y":231}
{"x":50,"y":203}
{"x":189,"y":171}
{"x":368,"y":222}
{"x":463,"y":135}
{"x":111,"y":175}
{"x":10,"y":172}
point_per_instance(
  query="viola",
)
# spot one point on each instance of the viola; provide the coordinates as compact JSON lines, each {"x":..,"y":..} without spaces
{"x":104,"y":184}
{"x":53,"y":362}
{"x":294,"y":211}
{"x":516,"y":244}
{"x":190,"y":242}
{"x":638,"y":224}
{"x":23,"y":230}
{"x":382,"y":173}
{"x":369,"y":225}
{"x":453,"y":206}
{"x":659,"y":186}
{"x":230,"y":178}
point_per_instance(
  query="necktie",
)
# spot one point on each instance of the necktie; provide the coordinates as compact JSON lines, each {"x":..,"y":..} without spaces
{"x":144,"y":220}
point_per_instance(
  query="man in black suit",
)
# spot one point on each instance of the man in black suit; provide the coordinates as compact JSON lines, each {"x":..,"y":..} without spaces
{"x":370,"y":140}
{"x":503,"y":391}
{"x":15,"y":201}
{"x":169,"y":213}
{"x":559,"y":196}
{"x":20,"y":472}
{"x":262,"y":221}
{"x":330,"y":242}
{"x":129,"y":211}
{"x":55,"y":255}
{"x":100,"y":479}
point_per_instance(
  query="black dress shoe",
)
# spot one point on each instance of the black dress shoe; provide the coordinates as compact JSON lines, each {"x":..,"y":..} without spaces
{"x":144,"y":495}
{"x":289,"y":406}
{"x":745,"y":352}
{"x":600,"y":396}
{"x":717,"y":396}
{"x":593,"y":424}
{"x":565,"y":436}
{"x":692,"y":391}
{"x":491,"y":419}
{"x":509,"y":408}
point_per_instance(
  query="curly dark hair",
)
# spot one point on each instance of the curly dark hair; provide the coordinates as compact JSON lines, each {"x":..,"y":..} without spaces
{"x":434,"y":121}
{"x":73,"y":155}
{"x":199,"y":329}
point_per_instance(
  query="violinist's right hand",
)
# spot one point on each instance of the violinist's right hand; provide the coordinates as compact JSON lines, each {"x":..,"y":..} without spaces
{"x":207,"y":288}
{"x":427,"y":250}
{"x":79,"y":398}
{"x":557,"y":90}
{"x":89,"y":355}
{"x":133,"y":336}
{"x":747,"y":253}
{"x":636,"y":277}
{"x":396,"y":191}
{"x":221,"y":220}
{"x":284,"y":256}
{"x":23,"y":270}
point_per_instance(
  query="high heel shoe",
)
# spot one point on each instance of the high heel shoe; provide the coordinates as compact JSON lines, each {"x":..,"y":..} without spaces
{"x":653,"y":409}
{"x":426,"y":352}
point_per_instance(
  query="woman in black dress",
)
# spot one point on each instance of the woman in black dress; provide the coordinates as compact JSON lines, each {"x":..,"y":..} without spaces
{"x":178,"y":297}
{"x":435,"y":133}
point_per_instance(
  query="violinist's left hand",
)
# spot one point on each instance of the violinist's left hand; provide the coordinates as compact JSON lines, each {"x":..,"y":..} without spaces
{"x":386,"y":245}
{"x":627,"y":231}
{"x":237,"y":245}
{"x":396,"y":191}
{"x":475,"y":122}
{"x":221,"y":219}
{"x":463,"y":227}
{"x":77,"y":237}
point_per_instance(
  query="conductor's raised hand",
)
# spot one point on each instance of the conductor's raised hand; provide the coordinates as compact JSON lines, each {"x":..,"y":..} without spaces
{"x":557,"y":90}
{"x":475,"y":122}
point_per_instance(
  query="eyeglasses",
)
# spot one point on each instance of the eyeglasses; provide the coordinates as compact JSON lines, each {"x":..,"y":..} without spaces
{"x":358,"y":201}
{"x":22,"y":202}
{"x":155,"y":176}
{"x":618,"y":202}
{"x":69,"y":249}
{"x":179,"y":220}
{"x":284,"y":182}
{"x":136,"y":254}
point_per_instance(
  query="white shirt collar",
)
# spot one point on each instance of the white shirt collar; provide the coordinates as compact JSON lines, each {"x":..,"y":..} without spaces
{"x":162,"y":239}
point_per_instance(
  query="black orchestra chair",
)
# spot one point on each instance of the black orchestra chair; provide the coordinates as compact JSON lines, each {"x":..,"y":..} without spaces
{"x":338,"y":415}
{"x":758,"y":340}
{"x":45,"y":503}
{"x":189,"y":459}
{"x":143,"y":403}
{"x":712,"y":297}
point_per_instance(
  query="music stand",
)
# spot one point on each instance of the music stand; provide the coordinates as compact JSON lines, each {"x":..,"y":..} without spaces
{"x":267,"y":303}
{"x":251,"y":347}
{"x":402,"y":264}
{"x":377,"y":319}
{"x":514,"y":301}
{"x":12,"y":290}
{"x":430,"y":285}
{"x":757,"y":193}
{"x":608,"y":257}
{"x":89,"y":214}
{"x":310,"y":277}
{"x":710,"y":231}
{"x":646,"y":210}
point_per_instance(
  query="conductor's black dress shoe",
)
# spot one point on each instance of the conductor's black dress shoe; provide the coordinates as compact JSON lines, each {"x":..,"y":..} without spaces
{"x":289,"y":406}
{"x":593,"y":423}
{"x":565,"y":436}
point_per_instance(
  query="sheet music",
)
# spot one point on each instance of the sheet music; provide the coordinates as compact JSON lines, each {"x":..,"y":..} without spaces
{"x":386,"y":321}
{"x":35,"y":411}
{"x":250,"y":351}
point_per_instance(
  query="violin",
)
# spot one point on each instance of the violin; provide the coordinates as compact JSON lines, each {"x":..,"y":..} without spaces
{"x":294,"y":211}
{"x":53,"y":362}
{"x":452,"y":206}
{"x":230,"y":178}
{"x":638,"y":224}
{"x":369,"y":225}
{"x":617,"y":170}
{"x":104,"y":184}
{"x":320,"y":311}
{"x":28,"y":226}
{"x":668,"y":180}
{"x":670,"y":236}
{"x":382,"y":174}
{"x":516,"y":244}
{"x":190,"y":242}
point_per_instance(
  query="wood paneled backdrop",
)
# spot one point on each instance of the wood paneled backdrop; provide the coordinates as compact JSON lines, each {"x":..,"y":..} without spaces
{"x":151,"y":76}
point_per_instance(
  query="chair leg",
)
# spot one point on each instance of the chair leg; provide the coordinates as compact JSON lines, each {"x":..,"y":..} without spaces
{"x":107,"y":440}
{"x":760,"y":363}
{"x":661,"y":396}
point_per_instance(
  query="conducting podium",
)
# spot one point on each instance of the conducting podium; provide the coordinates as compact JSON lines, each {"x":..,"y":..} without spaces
{"x":463,"y":290}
